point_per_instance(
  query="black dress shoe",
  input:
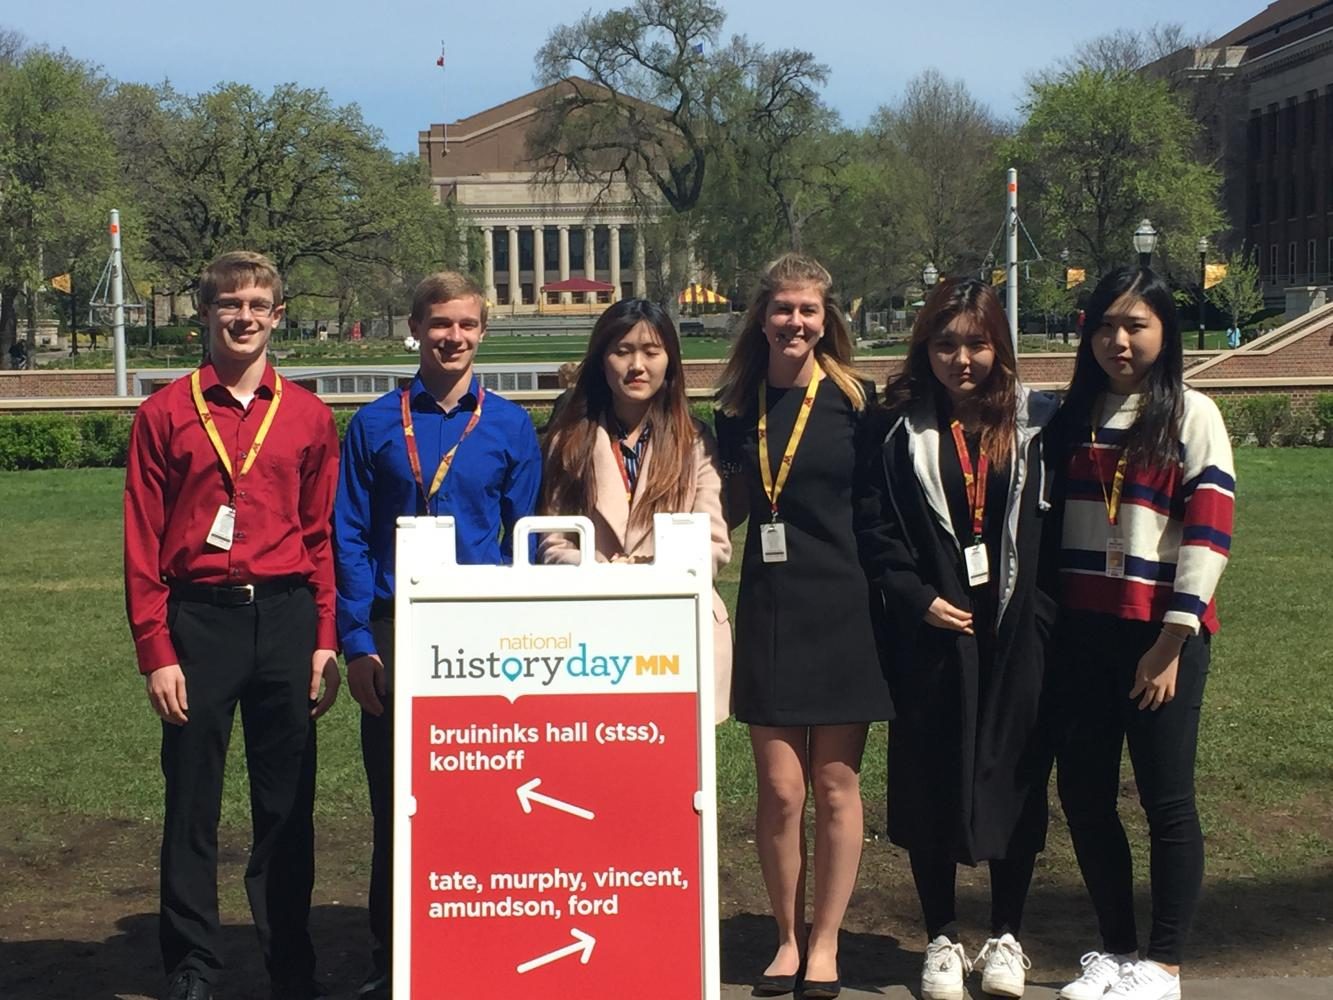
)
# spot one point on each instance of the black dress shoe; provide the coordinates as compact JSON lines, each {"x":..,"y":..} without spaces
{"x":774,"y":986}
{"x":826,"y":989}
{"x":188,"y":986}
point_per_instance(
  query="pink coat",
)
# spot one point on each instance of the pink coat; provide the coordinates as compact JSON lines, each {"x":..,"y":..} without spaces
{"x":610,"y":518}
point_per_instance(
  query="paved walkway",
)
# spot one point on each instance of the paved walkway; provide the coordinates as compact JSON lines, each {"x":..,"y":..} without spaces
{"x":1193,"y":989}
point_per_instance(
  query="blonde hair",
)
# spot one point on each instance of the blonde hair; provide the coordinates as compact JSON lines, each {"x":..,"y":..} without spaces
{"x":238,"y":269}
{"x":748,"y":361}
{"x":445,"y":286}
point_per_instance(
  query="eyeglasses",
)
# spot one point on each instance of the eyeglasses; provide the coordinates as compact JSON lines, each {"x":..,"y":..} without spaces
{"x":260,"y":308}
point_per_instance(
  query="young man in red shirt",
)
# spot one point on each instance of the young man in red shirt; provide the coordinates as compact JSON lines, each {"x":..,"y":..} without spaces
{"x":229,"y":586}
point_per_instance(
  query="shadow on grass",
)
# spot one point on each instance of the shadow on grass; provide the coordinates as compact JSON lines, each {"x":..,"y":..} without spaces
{"x":1245,"y":927}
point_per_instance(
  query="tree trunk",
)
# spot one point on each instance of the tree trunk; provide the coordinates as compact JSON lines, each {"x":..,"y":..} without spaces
{"x":8,"y":323}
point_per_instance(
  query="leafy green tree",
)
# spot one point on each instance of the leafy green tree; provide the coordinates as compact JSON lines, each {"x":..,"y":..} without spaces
{"x":1238,"y":295}
{"x":951,"y":187}
{"x":57,"y":176}
{"x":1101,"y":150}
{"x":309,"y":184}
{"x":646,"y":106}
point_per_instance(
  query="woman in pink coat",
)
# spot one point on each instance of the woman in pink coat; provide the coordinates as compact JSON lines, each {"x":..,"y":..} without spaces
{"x":622,"y":447}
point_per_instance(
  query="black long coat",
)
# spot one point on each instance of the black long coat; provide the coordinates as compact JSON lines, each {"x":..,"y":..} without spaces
{"x":969,"y":753}
{"x":805,"y":651}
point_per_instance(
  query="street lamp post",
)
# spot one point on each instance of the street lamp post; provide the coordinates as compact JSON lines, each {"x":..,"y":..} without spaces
{"x":1145,"y":242}
{"x":930,"y":274}
{"x":1203,"y":283}
{"x":1064,"y":276}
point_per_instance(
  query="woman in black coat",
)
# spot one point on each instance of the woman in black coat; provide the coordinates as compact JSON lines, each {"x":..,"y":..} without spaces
{"x":952,"y":535}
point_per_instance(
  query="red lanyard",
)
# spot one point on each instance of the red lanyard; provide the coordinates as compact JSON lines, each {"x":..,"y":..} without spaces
{"x":974,"y":484}
{"x":617,"y":446}
{"x":414,"y":457}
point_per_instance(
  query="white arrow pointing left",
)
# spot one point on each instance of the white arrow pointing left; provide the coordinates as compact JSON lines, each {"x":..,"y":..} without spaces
{"x":528,"y":794}
{"x":582,"y":942}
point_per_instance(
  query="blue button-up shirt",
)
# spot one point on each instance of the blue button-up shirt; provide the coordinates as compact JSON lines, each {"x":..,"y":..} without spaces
{"x":493,"y":482}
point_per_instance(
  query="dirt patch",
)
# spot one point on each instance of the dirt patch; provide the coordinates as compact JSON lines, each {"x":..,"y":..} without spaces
{"x":78,"y":915}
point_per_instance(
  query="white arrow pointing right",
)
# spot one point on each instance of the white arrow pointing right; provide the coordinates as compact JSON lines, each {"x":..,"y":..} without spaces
{"x":582,"y":942}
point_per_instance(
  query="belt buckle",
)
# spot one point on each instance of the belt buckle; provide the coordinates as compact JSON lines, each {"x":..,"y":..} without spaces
{"x":249,"y":589}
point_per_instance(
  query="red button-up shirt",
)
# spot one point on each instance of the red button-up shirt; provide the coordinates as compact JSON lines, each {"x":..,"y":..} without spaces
{"x":174,"y":485}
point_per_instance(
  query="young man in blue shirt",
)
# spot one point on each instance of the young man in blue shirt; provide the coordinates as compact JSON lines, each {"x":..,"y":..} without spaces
{"x":442,"y":446}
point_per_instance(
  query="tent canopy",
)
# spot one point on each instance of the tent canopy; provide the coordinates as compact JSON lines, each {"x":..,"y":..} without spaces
{"x":697,"y":294}
{"x":578,"y":285}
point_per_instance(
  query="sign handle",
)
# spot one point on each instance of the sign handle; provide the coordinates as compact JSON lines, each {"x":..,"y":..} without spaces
{"x":575,"y":524}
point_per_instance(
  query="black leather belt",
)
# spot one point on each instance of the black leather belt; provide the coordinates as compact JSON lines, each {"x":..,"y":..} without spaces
{"x":237,"y":596}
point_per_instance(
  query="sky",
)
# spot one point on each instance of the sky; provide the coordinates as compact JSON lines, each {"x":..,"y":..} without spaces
{"x":381,"y":55}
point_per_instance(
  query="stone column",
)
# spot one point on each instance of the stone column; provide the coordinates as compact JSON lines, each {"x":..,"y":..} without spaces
{"x":640,"y":265}
{"x":538,"y":263}
{"x":614,"y":242}
{"x":565,"y":298}
{"x":590,"y":259}
{"x":515,"y":285}
{"x":488,"y":262}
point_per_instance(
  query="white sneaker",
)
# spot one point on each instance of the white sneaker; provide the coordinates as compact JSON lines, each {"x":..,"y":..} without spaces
{"x":1146,"y":981}
{"x":1101,"y":971}
{"x":942,"y":974}
{"x":1002,"y":965}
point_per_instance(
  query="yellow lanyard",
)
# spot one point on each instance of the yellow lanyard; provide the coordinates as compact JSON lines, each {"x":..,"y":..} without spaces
{"x":206,"y":418}
{"x":773,"y":490}
{"x":1117,"y":482}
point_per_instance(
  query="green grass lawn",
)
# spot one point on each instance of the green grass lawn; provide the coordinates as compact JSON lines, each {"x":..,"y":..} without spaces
{"x":79,"y":740}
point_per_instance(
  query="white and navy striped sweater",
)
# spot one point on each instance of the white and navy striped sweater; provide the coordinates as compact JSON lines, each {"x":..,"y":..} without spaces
{"x":1176,"y":521}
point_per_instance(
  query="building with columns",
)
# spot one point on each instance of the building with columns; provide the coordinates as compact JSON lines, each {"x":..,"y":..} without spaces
{"x":533,"y":232}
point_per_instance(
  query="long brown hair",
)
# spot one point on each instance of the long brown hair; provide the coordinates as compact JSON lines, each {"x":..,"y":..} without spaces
{"x":748,"y":361}
{"x":568,"y":480}
{"x":997,"y":399}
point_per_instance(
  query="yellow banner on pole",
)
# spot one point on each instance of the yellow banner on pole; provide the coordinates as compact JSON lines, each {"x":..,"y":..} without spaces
{"x":61,"y":283}
{"x":1213,"y":274}
{"x":997,"y":276}
{"x":1075,"y":276}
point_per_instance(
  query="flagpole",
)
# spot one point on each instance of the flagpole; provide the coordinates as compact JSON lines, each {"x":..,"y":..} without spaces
{"x":444,"y":98}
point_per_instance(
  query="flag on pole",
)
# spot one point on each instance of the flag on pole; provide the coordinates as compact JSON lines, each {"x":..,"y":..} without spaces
{"x":1214,"y":274}
{"x":1075,"y":276}
{"x":440,"y":61}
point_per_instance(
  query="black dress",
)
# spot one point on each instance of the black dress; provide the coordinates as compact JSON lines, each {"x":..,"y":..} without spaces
{"x":805,"y":652}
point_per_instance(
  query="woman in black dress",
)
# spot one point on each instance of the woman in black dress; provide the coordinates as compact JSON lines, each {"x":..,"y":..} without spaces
{"x":806,"y":675}
{"x":954,"y":538}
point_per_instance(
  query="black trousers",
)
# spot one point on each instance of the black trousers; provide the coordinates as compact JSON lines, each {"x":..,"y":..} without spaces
{"x":1099,"y":656}
{"x":935,"y":875}
{"x":256,"y":656}
{"x":377,"y":756}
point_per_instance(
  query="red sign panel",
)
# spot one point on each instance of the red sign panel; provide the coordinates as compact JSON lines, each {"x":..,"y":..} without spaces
{"x":555,"y":846}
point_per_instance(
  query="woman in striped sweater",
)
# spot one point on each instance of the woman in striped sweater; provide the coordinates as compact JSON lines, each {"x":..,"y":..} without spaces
{"x":1147,"y":497}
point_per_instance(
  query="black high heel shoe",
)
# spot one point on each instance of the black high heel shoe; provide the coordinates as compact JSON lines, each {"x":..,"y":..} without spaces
{"x":775,"y":986}
{"x":824,"y":989}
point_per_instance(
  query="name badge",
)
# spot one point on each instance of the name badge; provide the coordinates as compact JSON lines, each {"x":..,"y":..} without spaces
{"x":224,"y":527}
{"x":773,"y":542}
{"x":978,"y":564}
{"x":1115,"y":556}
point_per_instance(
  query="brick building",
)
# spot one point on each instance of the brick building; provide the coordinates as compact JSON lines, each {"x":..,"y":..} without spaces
{"x":1264,"y":93}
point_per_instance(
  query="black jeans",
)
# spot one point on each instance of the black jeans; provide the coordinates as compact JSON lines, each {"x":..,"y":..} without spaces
{"x":259,"y":657}
{"x":936,"y":879}
{"x":377,"y":757}
{"x":1099,"y":655}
